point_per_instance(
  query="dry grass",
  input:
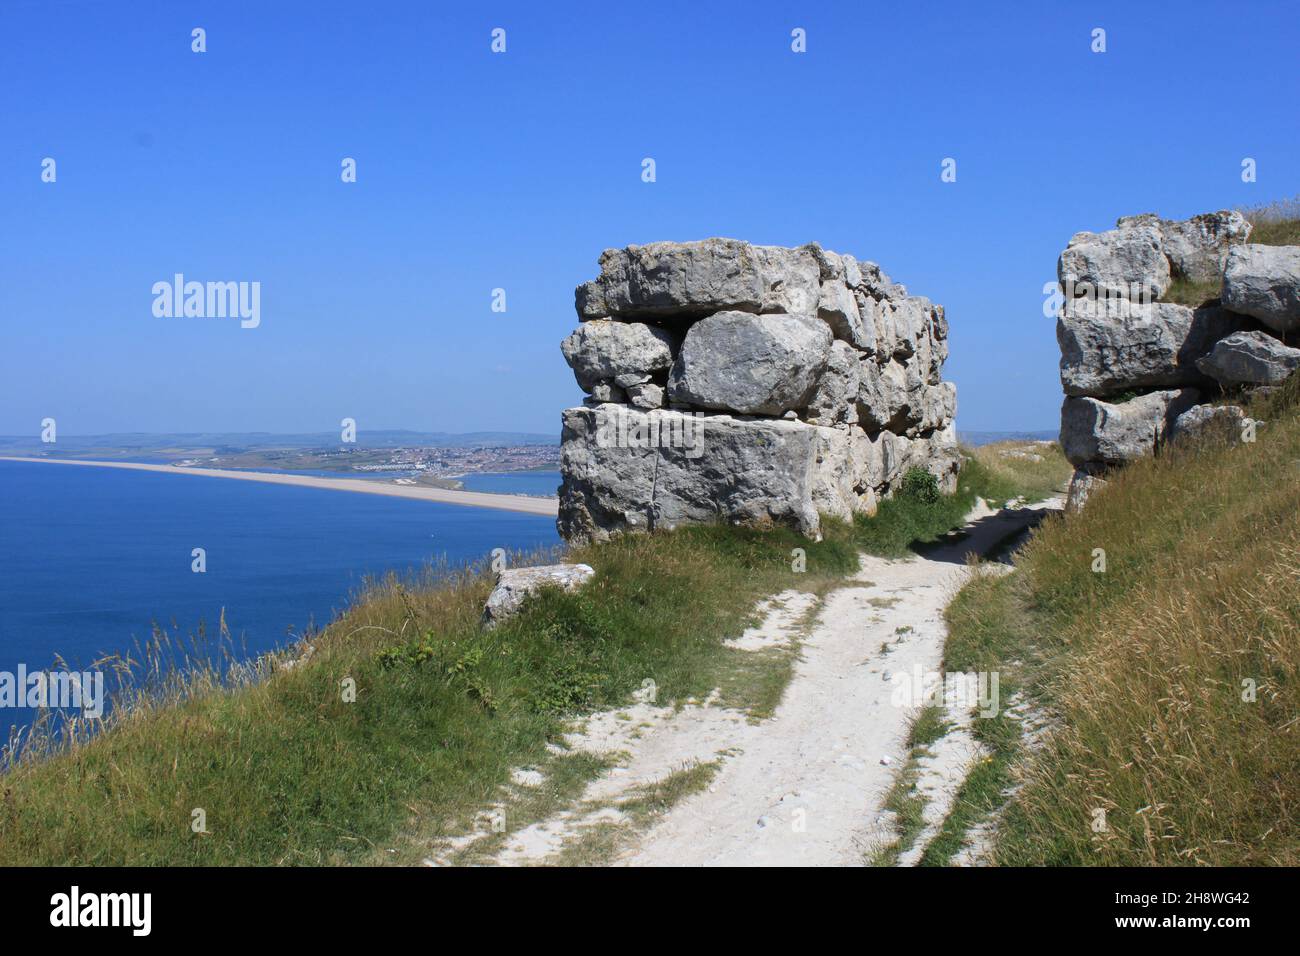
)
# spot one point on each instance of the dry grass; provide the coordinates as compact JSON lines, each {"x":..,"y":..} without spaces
{"x":1175,"y":674}
{"x":1276,"y":223}
{"x":1028,"y":469}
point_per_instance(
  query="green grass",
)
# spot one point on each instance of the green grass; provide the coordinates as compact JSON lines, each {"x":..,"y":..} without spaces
{"x":905,"y":521}
{"x":1140,"y":669}
{"x":1192,"y":292}
{"x":1033,"y":471}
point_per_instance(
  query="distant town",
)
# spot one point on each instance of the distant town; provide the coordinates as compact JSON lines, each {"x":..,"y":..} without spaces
{"x":435,"y":466}
{"x":431,"y":459}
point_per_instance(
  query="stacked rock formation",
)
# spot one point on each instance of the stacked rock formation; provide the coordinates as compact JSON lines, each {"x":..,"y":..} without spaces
{"x":749,"y":384}
{"x":1137,"y":370}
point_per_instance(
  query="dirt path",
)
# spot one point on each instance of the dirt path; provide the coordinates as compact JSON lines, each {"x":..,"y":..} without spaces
{"x":807,"y":790}
{"x":804,"y":787}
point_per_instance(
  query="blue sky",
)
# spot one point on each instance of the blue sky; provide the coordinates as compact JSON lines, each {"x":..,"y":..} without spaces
{"x":478,"y":171}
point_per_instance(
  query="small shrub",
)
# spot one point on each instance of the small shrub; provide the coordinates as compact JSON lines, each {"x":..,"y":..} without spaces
{"x":919,"y":485}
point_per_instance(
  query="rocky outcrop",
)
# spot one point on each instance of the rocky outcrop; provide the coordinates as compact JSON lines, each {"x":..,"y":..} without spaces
{"x":1097,"y":432}
{"x":619,"y":353}
{"x":1109,"y":347}
{"x":1249,"y":358}
{"x":798,"y":382}
{"x":516,"y":584}
{"x":1197,"y":248}
{"x":751,"y":364}
{"x":1133,"y":367}
{"x":1264,"y":282}
{"x":1203,"y":418}
{"x":1124,"y":263}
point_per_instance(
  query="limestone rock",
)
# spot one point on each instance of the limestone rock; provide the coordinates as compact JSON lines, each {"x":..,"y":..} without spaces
{"x":1264,"y":282}
{"x":751,"y":364}
{"x":1201,"y":419}
{"x":647,"y":395}
{"x":811,"y":380}
{"x":1083,"y":485}
{"x":605,"y":349}
{"x":1096,"y":431}
{"x":938,"y":406}
{"x":890,"y":396}
{"x":629,"y":470}
{"x":1250,"y":358}
{"x":606,"y":391}
{"x":685,"y":280}
{"x":1124,"y":263}
{"x":1198,"y":248}
{"x":516,"y":584}
{"x":832,"y":482}
{"x":1111,"y":346}
{"x":834,"y":401}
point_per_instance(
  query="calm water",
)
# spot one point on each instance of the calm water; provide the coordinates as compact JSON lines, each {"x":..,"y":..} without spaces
{"x":513,"y":482}
{"x":90,"y":557}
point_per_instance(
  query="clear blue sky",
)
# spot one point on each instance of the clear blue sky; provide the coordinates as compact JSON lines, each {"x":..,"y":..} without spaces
{"x":479,"y":171}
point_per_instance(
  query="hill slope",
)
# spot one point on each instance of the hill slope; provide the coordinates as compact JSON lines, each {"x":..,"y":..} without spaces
{"x":1166,"y":680}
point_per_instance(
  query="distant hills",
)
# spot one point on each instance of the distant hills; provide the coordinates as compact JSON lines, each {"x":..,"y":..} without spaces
{"x":975,"y":439}
{"x":366,"y":438}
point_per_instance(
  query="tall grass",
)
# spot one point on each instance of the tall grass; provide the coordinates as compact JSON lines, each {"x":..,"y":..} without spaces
{"x":1276,"y":223}
{"x":1173,"y":677}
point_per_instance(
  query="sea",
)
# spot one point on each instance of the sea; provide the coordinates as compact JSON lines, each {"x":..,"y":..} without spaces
{"x":91,"y":559}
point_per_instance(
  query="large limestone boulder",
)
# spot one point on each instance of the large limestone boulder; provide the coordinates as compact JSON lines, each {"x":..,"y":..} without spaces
{"x":1198,"y":248}
{"x":516,"y":584}
{"x":1264,"y":282}
{"x":628,"y":470}
{"x":1124,"y":263}
{"x":1112,"y":346}
{"x":685,"y":280}
{"x":1202,"y":419}
{"x":1083,"y":485}
{"x":1250,"y":358}
{"x":751,"y":364}
{"x":605,"y":350}
{"x":1094,"y":431}
{"x":808,"y":339}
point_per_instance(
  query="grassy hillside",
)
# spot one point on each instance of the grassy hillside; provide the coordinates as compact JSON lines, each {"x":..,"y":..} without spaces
{"x":286,"y":770}
{"x":1169,"y":682}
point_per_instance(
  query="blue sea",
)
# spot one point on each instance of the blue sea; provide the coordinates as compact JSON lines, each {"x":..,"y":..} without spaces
{"x":513,"y":482}
{"x":90,"y":558}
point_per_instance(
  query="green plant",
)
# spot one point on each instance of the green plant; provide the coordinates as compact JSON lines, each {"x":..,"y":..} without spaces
{"x":920,"y":485}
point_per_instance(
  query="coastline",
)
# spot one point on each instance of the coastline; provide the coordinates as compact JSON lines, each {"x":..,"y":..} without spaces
{"x":527,"y":504}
